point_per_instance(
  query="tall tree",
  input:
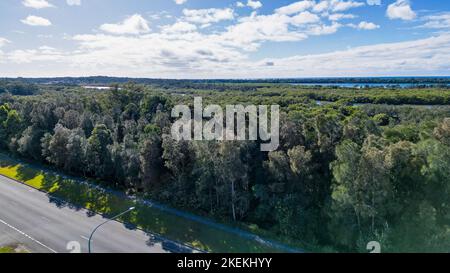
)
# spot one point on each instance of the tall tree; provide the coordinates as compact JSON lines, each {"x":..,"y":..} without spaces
{"x":97,"y":153}
{"x":150,"y":157}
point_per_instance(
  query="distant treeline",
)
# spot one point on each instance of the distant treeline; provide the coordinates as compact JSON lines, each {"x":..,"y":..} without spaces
{"x":367,"y":80}
{"x":103,"y":80}
{"x":161,"y":83}
{"x":16,"y":87}
{"x":287,"y":94}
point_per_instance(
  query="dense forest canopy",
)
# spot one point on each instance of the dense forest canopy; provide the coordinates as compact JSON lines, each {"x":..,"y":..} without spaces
{"x":18,"y":87}
{"x":344,"y":175}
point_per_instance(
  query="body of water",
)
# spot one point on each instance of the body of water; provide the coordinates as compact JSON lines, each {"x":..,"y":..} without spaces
{"x":370,"y":85}
{"x":97,"y":87}
{"x":323,"y":102}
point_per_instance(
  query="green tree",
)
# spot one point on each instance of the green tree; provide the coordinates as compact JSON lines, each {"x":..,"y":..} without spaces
{"x":76,"y":152}
{"x":232,"y":171}
{"x":97,"y":153}
{"x":150,"y":157}
{"x":57,"y":146}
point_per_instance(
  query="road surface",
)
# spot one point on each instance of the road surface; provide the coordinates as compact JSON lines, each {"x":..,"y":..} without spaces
{"x":28,"y":218}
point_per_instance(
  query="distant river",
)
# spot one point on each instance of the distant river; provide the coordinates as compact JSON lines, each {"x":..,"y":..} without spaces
{"x":363,"y":85}
{"x":97,"y":87}
{"x":322,"y":103}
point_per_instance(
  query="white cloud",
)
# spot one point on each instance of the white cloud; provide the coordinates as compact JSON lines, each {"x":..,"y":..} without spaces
{"x":337,"y":5}
{"x":340,"y":16}
{"x":254,"y":4}
{"x":321,"y":6}
{"x":37,"y":4}
{"x":41,"y":54}
{"x":295,"y":7}
{"x":324,"y":29}
{"x":197,"y":56}
{"x":252,"y":30}
{"x":180,"y":2}
{"x":134,"y":24}
{"x":365,"y":26}
{"x":305,"y":17}
{"x":36,"y":21}
{"x":374,"y":2}
{"x":154,"y":53}
{"x":425,"y":57}
{"x":179,"y":27}
{"x":293,"y":22}
{"x":73,"y":2}
{"x":206,"y":16}
{"x":401,"y":9}
{"x":437,"y":21}
{"x":240,"y":4}
{"x":159,"y":15}
{"x":4,"y":41}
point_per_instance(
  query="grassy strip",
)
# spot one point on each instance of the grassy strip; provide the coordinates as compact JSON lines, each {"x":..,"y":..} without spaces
{"x":12,"y":249}
{"x":96,"y":199}
{"x":7,"y":249}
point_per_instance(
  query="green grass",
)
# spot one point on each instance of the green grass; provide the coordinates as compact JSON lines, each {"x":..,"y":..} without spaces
{"x":83,"y":195}
{"x":12,"y":249}
{"x":7,"y":249}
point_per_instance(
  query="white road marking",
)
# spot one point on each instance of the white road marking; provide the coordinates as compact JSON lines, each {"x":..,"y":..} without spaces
{"x":28,"y":236}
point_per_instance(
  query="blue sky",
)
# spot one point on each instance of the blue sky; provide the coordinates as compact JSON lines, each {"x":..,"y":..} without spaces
{"x":223,"y":38}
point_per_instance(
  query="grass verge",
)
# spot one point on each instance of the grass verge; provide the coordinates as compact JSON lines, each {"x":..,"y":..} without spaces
{"x":7,"y":249}
{"x":13,"y":249}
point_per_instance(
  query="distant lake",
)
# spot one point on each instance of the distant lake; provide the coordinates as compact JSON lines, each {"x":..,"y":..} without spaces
{"x":97,"y":87}
{"x":323,"y":103}
{"x":370,"y":85}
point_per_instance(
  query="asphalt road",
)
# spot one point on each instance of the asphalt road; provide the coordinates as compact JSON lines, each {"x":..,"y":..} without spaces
{"x":27,"y":217}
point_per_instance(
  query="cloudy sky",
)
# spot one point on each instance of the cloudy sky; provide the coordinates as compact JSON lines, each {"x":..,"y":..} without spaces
{"x":224,"y":38}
